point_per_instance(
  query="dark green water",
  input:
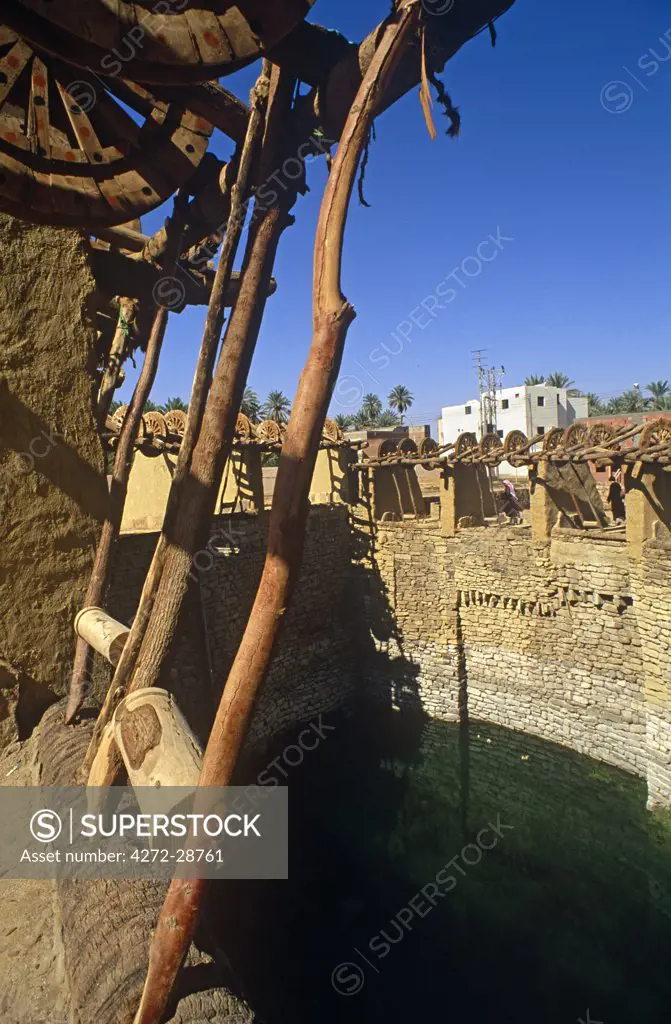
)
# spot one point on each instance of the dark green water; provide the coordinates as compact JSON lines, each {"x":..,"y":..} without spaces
{"x":569,"y":910}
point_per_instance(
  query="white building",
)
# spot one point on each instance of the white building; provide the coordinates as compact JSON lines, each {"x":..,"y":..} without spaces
{"x":531,"y":409}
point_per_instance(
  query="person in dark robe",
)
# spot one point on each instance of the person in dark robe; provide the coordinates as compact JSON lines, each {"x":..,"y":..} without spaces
{"x":510,"y":503}
{"x":616,"y":500}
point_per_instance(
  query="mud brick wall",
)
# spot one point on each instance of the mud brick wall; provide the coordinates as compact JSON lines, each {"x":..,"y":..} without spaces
{"x":53,"y":492}
{"x":566,"y":640}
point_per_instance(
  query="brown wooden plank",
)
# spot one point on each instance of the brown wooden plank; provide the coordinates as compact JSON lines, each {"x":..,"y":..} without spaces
{"x":11,"y":66}
{"x":38,"y":116}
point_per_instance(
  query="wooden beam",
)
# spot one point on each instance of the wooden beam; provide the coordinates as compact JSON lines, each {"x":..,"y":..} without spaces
{"x":117,"y":274}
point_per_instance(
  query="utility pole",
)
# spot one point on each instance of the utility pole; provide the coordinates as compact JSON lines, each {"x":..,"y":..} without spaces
{"x":480,"y":364}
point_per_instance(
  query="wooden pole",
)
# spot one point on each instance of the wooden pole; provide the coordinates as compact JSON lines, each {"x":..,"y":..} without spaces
{"x":121,"y":472}
{"x":114,"y":361}
{"x":204,"y":451}
{"x":332,"y":315}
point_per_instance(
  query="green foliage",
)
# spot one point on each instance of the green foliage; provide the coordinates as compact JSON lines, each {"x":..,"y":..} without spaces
{"x":344,"y":422}
{"x":400,"y":399}
{"x":595,"y":406}
{"x":660,"y":391}
{"x":251,"y":405}
{"x":371,"y":415}
{"x":114,"y":405}
{"x":174,"y":403}
{"x":533,"y":380}
{"x":559,"y":380}
{"x":629,"y":401}
{"x":388,"y":418}
{"x":371,"y":407}
{"x":276,"y":407}
{"x":150,"y":406}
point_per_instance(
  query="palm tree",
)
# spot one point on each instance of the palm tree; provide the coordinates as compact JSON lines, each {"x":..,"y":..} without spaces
{"x":359,"y":421}
{"x":595,"y":406}
{"x":344,"y":422}
{"x":400,"y":399}
{"x":251,"y":405}
{"x":277,"y":407}
{"x":150,"y":406}
{"x":663,"y":404}
{"x":628,"y":401}
{"x":371,"y":407}
{"x":559,"y":380}
{"x":533,"y":380}
{"x":114,"y":405}
{"x":388,"y":418}
{"x":659,"y":389}
{"x":174,"y":403}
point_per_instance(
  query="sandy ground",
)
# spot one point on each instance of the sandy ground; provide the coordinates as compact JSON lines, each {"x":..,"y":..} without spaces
{"x":32,"y":990}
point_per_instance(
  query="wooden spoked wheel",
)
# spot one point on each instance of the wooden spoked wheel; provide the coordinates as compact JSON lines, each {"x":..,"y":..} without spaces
{"x":155,"y":424}
{"x":119,"y":416}
{"x":332,"y":432}
{"x":388,"y":447}
{"x":600,"y":433}
{"x":175,"y":421}
{"x":489,"y":444}
{"x":427,"y":446}
{"x":514,"y":440}
{"x":269,"y":430}
{"x":243,"y":426}
{"x":70,"y":153}
{"x":553,"y":439}
{"x":577,"y":433}
{"x":407,"y":447}
{"x":173,"y":43}
{"x":464,"y":443}
{"x":656,"y":432}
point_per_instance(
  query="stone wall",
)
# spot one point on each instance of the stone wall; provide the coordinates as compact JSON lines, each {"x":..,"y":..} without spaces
{"x":313,"y":670}
{"x":653,"y":613}
{"x":567,"y":640}
{"x":52,"y":484}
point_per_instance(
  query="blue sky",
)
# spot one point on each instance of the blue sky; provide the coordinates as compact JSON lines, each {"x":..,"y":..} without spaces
{"x":564,"y":156}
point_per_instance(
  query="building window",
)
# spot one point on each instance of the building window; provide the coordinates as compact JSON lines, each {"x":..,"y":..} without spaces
{"x":500,"y":433}
{"x":467,"y":410}
{"x":540,"y":430}
{"x":540,"y":400}
{"x":517,"y":394}
{"x":505,"y":404}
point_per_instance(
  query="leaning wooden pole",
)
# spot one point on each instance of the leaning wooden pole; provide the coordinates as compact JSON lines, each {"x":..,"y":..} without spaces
{"x":201,"y":385}
{"x":114,"y":361}
{"x":332,"y":315}
{"x":121,"y":472}
{"x":186,"y":534}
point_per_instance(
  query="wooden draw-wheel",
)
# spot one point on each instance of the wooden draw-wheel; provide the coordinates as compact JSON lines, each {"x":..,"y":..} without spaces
{"x":465,"y":442}
{"x":514,"y":441}
{"x":72,"y":156}
{"x":173,"y":42}
{"x":656,"y":432}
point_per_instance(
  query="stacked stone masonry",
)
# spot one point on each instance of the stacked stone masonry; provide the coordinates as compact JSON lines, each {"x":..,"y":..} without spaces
{"x":568,"y":640}
{"x":313,"y":669}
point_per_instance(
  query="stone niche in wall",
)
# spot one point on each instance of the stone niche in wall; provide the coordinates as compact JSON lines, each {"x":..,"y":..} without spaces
{"x":52,"y":485}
